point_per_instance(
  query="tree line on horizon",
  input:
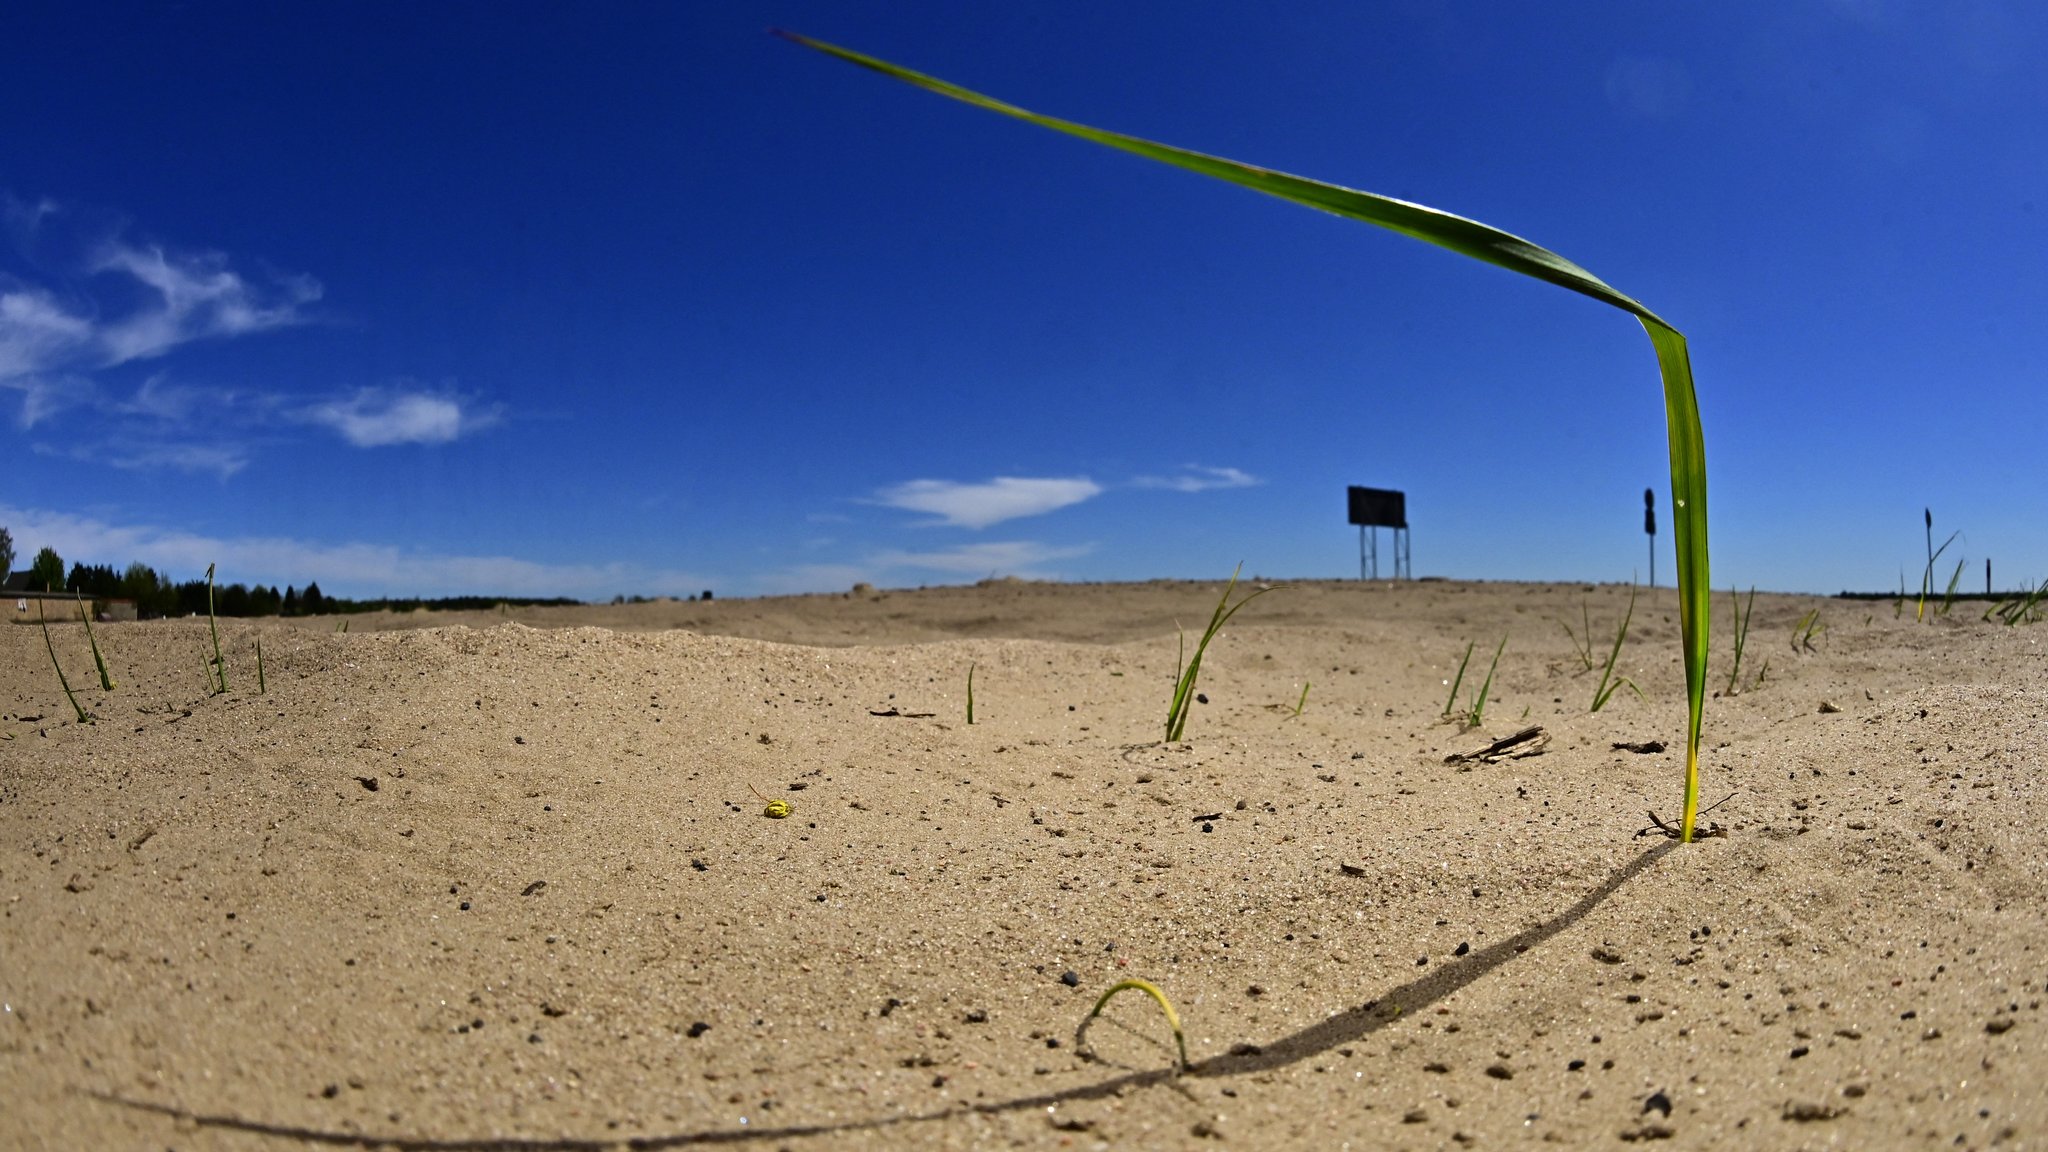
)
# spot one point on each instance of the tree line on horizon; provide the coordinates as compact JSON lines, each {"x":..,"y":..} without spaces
{"x":156,"y":595}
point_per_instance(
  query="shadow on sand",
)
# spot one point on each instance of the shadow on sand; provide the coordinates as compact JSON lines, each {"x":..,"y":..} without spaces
{"x":1343,"y":1028}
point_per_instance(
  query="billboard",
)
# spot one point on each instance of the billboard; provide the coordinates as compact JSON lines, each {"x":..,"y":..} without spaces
{"x":1378,"y":508}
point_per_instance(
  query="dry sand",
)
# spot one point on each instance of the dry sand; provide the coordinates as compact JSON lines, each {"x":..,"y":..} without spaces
{"x":493,"y":885}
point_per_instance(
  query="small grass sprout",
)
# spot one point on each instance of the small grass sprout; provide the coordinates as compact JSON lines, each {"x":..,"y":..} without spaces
{"x":970,"y":693}
{"x":63,"y":681}
{"x":220,"y":664}
{"x":1476,"y":711}
{"x":1451,"y":703}
{"x":1477,"y":241}
{"x":1927,"y":575}
{"x":2019,"y":608}
{"x":262,"y":688}
{"x":1609,"y":682}
{"x":1304,"y":700}
{"x":1582,"y":647}
{"x":1742,"y":614}
{"x":1150,"y":989}
{"x":1808,"y":628}
{"x":1948,"y":598}
{"x":1185,"y":670}
{"x":99,"y":662}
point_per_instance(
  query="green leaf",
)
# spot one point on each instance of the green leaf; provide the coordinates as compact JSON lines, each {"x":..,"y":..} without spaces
{"x":1480,"y":242}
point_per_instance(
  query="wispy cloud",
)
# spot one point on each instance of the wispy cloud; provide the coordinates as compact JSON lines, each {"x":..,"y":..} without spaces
{"x":350,"y":569}
{"x":127,"y":302}
{"x":221,"y":459}
{"x":997,"y":500}
{"x":197,"y":297}
{"x":376,"y":417}
{"x":185,"y":298}
{"x":997,"y":557}
{"x":1200,"y":478}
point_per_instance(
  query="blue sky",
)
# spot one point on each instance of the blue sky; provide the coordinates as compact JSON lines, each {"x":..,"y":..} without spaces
{"x":543,"y":299}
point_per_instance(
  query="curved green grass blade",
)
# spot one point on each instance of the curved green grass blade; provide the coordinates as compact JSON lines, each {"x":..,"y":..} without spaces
{"x":1480,"y":242}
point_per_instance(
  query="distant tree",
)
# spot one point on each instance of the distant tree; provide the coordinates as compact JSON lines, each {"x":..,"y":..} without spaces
{"x":6,"y":553}
{"x":47,"y":571}
{"x":290,"y":607}
{"x":232,"y":600}
{"x":312,"y":603}
{"x":264,"y":601}
{"x":188,"y":599}
{"x":141,"y":584}
{"x":97,"y":581}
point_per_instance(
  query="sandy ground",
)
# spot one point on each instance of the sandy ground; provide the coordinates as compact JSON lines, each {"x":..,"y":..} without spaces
{"x":502,"y":880}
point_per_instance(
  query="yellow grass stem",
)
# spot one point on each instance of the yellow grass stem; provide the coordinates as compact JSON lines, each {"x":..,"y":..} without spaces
{"x":1165,"y":1005}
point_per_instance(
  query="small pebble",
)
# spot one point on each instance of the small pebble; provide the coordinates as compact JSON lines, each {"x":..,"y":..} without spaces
{"x":1070,"y":978}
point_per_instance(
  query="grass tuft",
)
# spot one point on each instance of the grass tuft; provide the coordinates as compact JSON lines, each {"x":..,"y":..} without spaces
{"x":1609,"y":682}
{"x":1581,"y":647}
{"x":1185,"y":671}
{"x":220,"y":664}
{"x":1476,"y":712}
{"x":1742,"y":614}
{"x":1948,"y":598}
{"x":1808,"y":628}
{"x":83,"y":716}
{"x":106,"y":681}
{"x":1451,"y":702}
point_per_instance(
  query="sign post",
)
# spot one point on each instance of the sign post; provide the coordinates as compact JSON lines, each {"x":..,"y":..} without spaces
{"x":1650,"y":529}
{"x":1377,"y":508}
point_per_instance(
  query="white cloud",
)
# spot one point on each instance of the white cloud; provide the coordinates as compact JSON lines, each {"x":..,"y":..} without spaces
{"x":980,"y":505}
{"x":37,"y":333}
{"x":197,"y":297}
{"x":223,"y":460}
{"x":50,"y":344}
{"x":374,"y":418}
{"x":996,"y":557}
{"x":1199,"y":478}
{"x":354,"y":569}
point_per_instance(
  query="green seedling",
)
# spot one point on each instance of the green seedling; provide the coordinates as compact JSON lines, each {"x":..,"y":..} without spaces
{"x":62,"y":680}
{"x":1304,"y":699}
{"x":341,"y":626}
{"x":970,"y":693}
{"x":1150,"y":989}
{"x":1491,"y":245}
{"x":220,"y":664}
{"x":1948,"y":598}
{"x":263,"y":688}
{"x":1451,"y":703}
{"x":1185,"y":671}
{"x":2020,"y":608}
{"x":1927,"y":575}
{"x":1804,"y":632}
{"x":106,"y":681}
{"x":1742,"y":615}
{"x":1582,"y":648}
{"x":1476,"y":712}
{"x":1609,"y":682}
